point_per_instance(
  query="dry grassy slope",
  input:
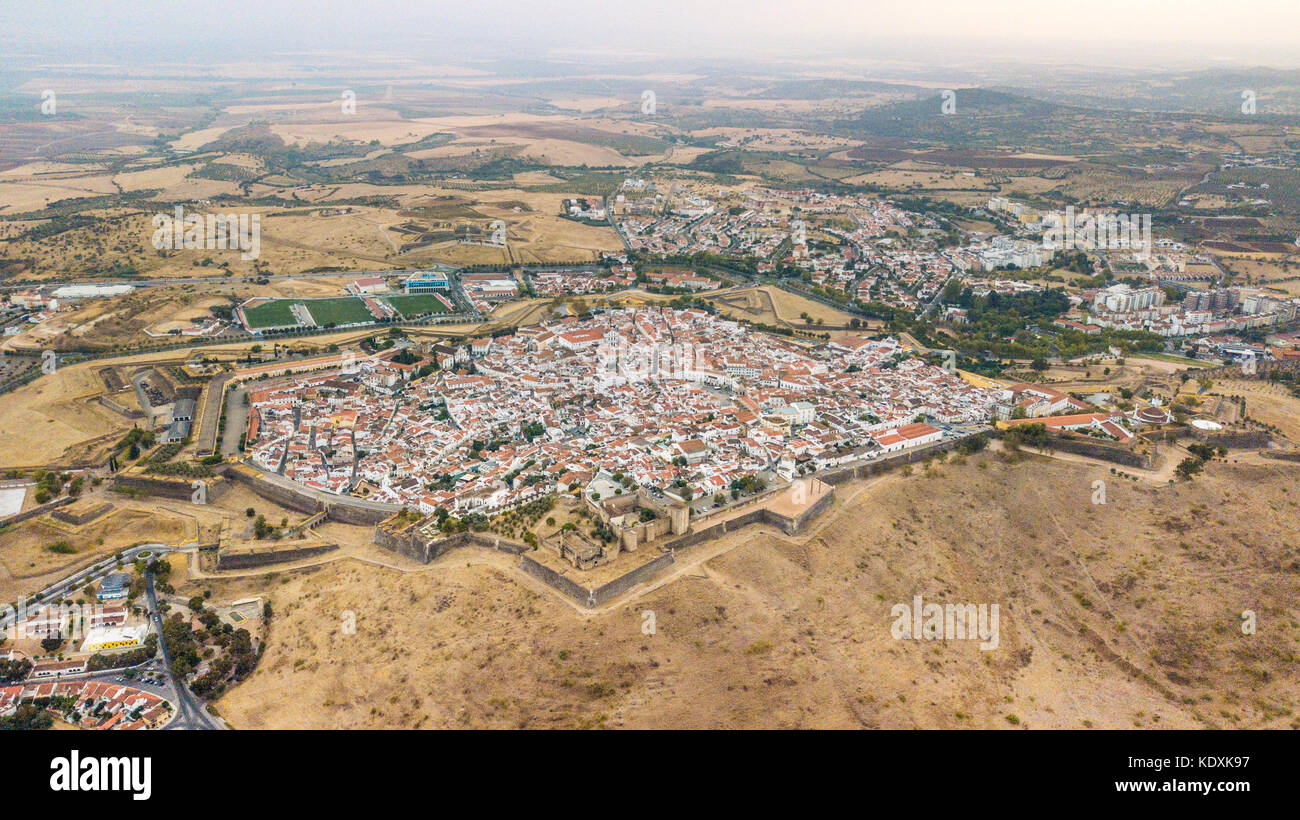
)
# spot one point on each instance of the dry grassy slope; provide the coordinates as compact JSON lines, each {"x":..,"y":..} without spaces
{"x":27,"y":565}
{"x":43,"y":418}
{"x":1120,"y":615}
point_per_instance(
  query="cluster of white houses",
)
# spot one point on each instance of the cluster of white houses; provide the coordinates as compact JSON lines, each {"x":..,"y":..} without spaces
{"x":657,"y":397}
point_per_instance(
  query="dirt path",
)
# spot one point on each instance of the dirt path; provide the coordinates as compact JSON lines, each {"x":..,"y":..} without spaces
{"x":1166,"y":462}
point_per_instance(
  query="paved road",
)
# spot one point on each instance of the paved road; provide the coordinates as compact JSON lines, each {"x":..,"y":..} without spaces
{"x":190,"y":713}
{"x":73,"y":583}
{"x":239,"y":280}
{"x":198,"y":280}
{"x":129,"y":676}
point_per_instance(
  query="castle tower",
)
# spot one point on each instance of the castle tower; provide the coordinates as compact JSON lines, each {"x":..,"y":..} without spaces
{"x":629,"y":539}
{"x":680,"y":515}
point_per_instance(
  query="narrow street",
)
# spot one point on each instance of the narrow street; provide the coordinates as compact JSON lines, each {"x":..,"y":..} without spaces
{"x":190,"y":713}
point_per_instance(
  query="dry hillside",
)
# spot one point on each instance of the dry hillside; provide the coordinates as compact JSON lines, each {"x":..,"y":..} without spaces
{"x":1119,"y":615}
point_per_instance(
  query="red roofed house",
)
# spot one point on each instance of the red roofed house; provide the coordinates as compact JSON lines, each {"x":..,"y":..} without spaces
{"x":909,"y":435}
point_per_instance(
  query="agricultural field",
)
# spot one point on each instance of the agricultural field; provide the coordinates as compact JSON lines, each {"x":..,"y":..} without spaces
{"x":1274,"y":272}
{"x":102,"y":239}
{"x":1116,"y":615}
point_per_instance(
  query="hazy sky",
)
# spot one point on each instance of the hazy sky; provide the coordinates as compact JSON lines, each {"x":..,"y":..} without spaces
{"x":1105,"y":31}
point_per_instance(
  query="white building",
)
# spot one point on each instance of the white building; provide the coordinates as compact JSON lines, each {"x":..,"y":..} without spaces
{"x":114,"y":637}
{"x":909,"y":435}
{"x":1124,"y":299}
{"x":91,"y":291}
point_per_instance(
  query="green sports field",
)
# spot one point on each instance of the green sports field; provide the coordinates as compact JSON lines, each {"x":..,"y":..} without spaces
{"x":344,"y":310}
{"x":415,"y":304}
{"x":341,"y":311}
{"x":271,"y":314}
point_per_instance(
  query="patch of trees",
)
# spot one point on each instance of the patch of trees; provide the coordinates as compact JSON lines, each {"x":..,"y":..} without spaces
{"x":1195,"y":463}
{"x":237,"y":662}
{"x":181,"y":645}
{"x":120,"y":660}
{"x":58,"y":225}
{"x":1189,"y":467}
{"x":15,"y":671}
{"x":262,"y":529}
{"x":1033,"y":435}
{"x":27,"y":716}
{"x":1205,"y":452}
{"x":1006,"y":313}
{"x":747,"y":485}
{"x":135,"y":439}
{"x":162,"y":571}
{"x":1074,"y":261}
{"x":188,"y":647}
{"x":183,"y":469}
{"x":49,"y":484}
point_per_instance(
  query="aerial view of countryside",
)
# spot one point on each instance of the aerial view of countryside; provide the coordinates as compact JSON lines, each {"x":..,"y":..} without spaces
{"x":651,"y":366}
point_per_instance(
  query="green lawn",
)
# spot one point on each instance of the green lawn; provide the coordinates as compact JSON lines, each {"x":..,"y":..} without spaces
{"x":341,"y":311}
{"x":416,"y":304}
{"x":271,"y":314}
